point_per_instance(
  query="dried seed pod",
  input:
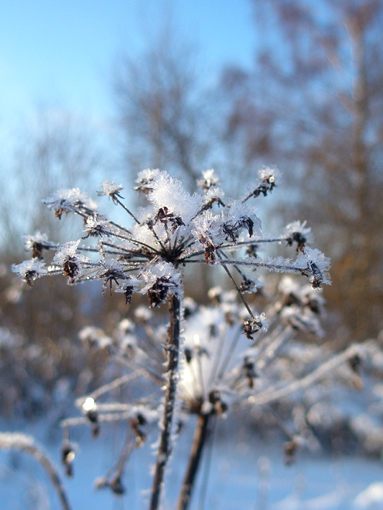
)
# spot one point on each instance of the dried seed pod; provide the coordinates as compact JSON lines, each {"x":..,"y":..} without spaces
{"x":249,"y":370}
{"x":67,"y":457}
{"x":299,"y":238}
{"x":90,"y":409}
{"x":289,"y":449}
{"x":136,"y":424}
{"x":355,"y":364}
{"x":188,"y":354}
{"x":252,"y":326}
{"x":116,"y":486}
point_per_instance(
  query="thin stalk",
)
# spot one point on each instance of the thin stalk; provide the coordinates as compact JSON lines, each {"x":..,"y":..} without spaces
{"x":229,"y":354}
{"x":199,"y":441}
{"x":25,"y":443}
{"x":164,"y":449}
{"x":236,"y":286}
{"x":157,"y":238}
{"x":288,"y":268}
{"x":235,"y":245}
{"x":127,"y":210}
{"x":206,"y":471}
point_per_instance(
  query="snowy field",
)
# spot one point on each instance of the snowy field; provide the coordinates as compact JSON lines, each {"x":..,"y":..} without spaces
{"x":248,"y":475}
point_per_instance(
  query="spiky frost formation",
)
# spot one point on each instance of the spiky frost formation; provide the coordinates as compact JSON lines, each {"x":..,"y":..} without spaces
{"x":67,"y":201}
{"x":176,"y":228}
{"x":30,"y":270}
{"x":110,"y":189}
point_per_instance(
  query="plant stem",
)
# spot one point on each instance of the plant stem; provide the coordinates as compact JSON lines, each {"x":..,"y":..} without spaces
{"x":164,"y":449}
{"x":27,"y":444}
{"x":200,"y":436}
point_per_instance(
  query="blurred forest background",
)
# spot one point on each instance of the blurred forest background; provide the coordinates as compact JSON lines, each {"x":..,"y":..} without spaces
{"x":312,"y":105}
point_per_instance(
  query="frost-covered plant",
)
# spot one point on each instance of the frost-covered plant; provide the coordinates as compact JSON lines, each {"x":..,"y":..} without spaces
{"x":22,"y":442}
{"x":174,"y":230}
{"x":221,"y":372}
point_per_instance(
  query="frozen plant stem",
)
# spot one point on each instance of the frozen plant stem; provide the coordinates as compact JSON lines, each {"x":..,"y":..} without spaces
{"x":199,"y":441}
{"x":164,"y":448}
{"x":26,"y":444}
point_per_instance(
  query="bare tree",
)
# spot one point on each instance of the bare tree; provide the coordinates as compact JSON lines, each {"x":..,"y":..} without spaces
{"x":313,"y":105}
{"x":55,"y":150}
{"x":162,"y":107}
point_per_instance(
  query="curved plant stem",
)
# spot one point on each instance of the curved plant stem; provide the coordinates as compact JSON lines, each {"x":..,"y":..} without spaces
{"x":26,"y":443}
{"x":164,"y":449}
{"x":199,"y":441}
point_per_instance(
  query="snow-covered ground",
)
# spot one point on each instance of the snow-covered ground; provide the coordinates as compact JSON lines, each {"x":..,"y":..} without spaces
{"x":248,"y":474}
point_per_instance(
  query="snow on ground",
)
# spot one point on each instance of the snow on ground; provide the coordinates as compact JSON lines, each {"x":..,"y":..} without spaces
{"x":248,"y":474}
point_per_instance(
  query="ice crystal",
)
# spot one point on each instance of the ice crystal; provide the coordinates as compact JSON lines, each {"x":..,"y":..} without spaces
{"x":110,"y":189}
{"x":94,"y":336}
{"x":297,"y":232}
{"x":37,"y":243}
{"x":208,"y":180}
{"x":36,"y":238}
{"x":67,"y":200}
{"x":168,"y":192}
{"x":30,"y":270}
{"x":97,"y":226}
{"x":161,"y":281}
{"x":67,"y":251}
{"x":144,"y":180}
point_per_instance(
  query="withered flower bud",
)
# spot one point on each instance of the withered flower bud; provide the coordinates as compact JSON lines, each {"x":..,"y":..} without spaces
{"x":314,"y":306}
{"x":128,"y":294}
{"x":116,"y":486}
{"x":316,"y":277}
{"x":250,"y":374}
{"x":90,"y":409}
{"x":355,"y":363}
{"x":210,"y":253}
{"x":67,"y":457}
{"x":289,"y":449}
{"x":299,"y":238}
{"x":29,"y":276}
{"x":232,"y":231}
{"x":136,"y":423}
{"x":211,"y":202}
{"x":252,"y":326}
{"x":188,"y":354}
{"x":268,"y":184}
{"x":158,"y":293}
{"x":143,"y":186}
{"x":214,"y":397}
{"x":164,"y":216}
{"x":251,"y":250}
{"x":37,"y":250}
{"x":70,"y":267}
{"x":247,"y":285}
{"x":213,"y":331}
{"x":291,"y":299}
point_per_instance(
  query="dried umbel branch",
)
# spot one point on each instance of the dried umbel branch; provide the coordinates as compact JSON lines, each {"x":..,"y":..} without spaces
{"x":22,"y":442}
{"x":174,"y":230}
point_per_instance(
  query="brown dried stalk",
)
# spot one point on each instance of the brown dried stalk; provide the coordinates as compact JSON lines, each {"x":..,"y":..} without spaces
{"x":165,"y":447}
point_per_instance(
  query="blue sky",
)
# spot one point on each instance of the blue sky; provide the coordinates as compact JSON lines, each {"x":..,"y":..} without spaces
{"x":54,"y":51}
